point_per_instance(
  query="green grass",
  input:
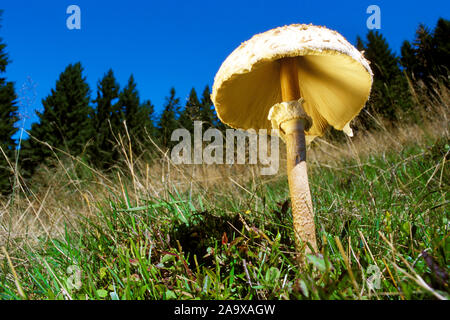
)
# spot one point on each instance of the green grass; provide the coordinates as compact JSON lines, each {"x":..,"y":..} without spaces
{"x":385,"y":216}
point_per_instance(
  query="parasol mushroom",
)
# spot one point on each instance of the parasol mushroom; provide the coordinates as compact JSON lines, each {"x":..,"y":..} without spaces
{"x":297,"y":79}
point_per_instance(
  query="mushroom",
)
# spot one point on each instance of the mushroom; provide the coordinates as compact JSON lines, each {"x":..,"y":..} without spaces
{"x":297,"y":79}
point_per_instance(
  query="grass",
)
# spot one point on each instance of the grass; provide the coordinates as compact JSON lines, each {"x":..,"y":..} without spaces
{"x":383,"y":216}
{"x":159,"y":231}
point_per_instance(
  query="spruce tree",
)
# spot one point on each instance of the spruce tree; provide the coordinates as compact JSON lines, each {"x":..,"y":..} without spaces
{"x":129,"y":104}
{"x":206,"y":108}
{"x":147,"y":113}
{"x":408,"y":59}
{"x":8,"y":118}
{"x":65,"y":122}
{"x":168,"y":121}
{"x":441,"y":41}
{"x":191,"y":112}
{"x":359,"y":43}
{"x":107,"y":122}
{"x":138,"y":116}
{"x":390,"y":92}
{"x":424,"y":52}
{"x":428,"y":57}
{"x":208,"y":112}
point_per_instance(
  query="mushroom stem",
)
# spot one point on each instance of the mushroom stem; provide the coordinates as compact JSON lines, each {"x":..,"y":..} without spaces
{"x":293,"y":127}
{"x":290,"y":89}
{"x":302,"y":209}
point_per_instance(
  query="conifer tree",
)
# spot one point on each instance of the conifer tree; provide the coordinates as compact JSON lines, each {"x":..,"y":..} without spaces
{"x":390,"y":92}
{"x":107,"y":122}
{"x":359,"y":43}
{"x":8,"y":118}
{"x":429,"y":54}
{"x":129,"y":104}
{"x":65,"y":122}
{"x":191,"y":112}
{"x":408,"y":59}
{"x":441,"y":41}
{"x":147,"y":112}
{"x":168,"y":121}
{"x":207,"y":113}
{"x":424,"y":52}
{"x":138,"y":116}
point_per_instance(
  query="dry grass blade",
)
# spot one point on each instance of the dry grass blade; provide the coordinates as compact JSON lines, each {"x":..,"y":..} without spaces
{"x":415,"y":277}
{"x":347,"y":263}
{"x":16,"y":278}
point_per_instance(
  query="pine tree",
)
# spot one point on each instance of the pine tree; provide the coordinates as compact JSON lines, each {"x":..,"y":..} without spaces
{"x":107,"y":122}
{"x":138,"y":116}
{"x":390,"y":92}
{"x":441,"y":42}
{"x":428,"y":57}
{"x":384,"y":63}
{"x":424,"y":52}
{"x":65,"y":122}
{"x":207,"y":114}
{"x":359,"y":43}
{"x":129,"y":104}
{"x":191,"y":112}
{"x":199,"y":110}
{"x":147,"y":113}
{"x":8,"y":118}
{"x":168,"y":121}
{"x":408,"y":59}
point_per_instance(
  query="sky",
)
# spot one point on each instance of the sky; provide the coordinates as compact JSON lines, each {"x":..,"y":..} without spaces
{"x":168,"y":44}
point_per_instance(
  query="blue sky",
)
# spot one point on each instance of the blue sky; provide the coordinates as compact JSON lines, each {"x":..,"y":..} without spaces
{"x":173,"y":43}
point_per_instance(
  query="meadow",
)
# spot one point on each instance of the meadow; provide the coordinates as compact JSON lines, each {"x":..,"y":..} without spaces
{"x":150,"y":229}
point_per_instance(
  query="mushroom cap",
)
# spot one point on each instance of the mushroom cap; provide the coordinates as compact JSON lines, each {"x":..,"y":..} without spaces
{"x":334,"y":79}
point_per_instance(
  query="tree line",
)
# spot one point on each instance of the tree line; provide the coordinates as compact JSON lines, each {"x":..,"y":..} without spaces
{"x":89,"y":126}
{"x":92,"y":128}
{"x":422,"y":63}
